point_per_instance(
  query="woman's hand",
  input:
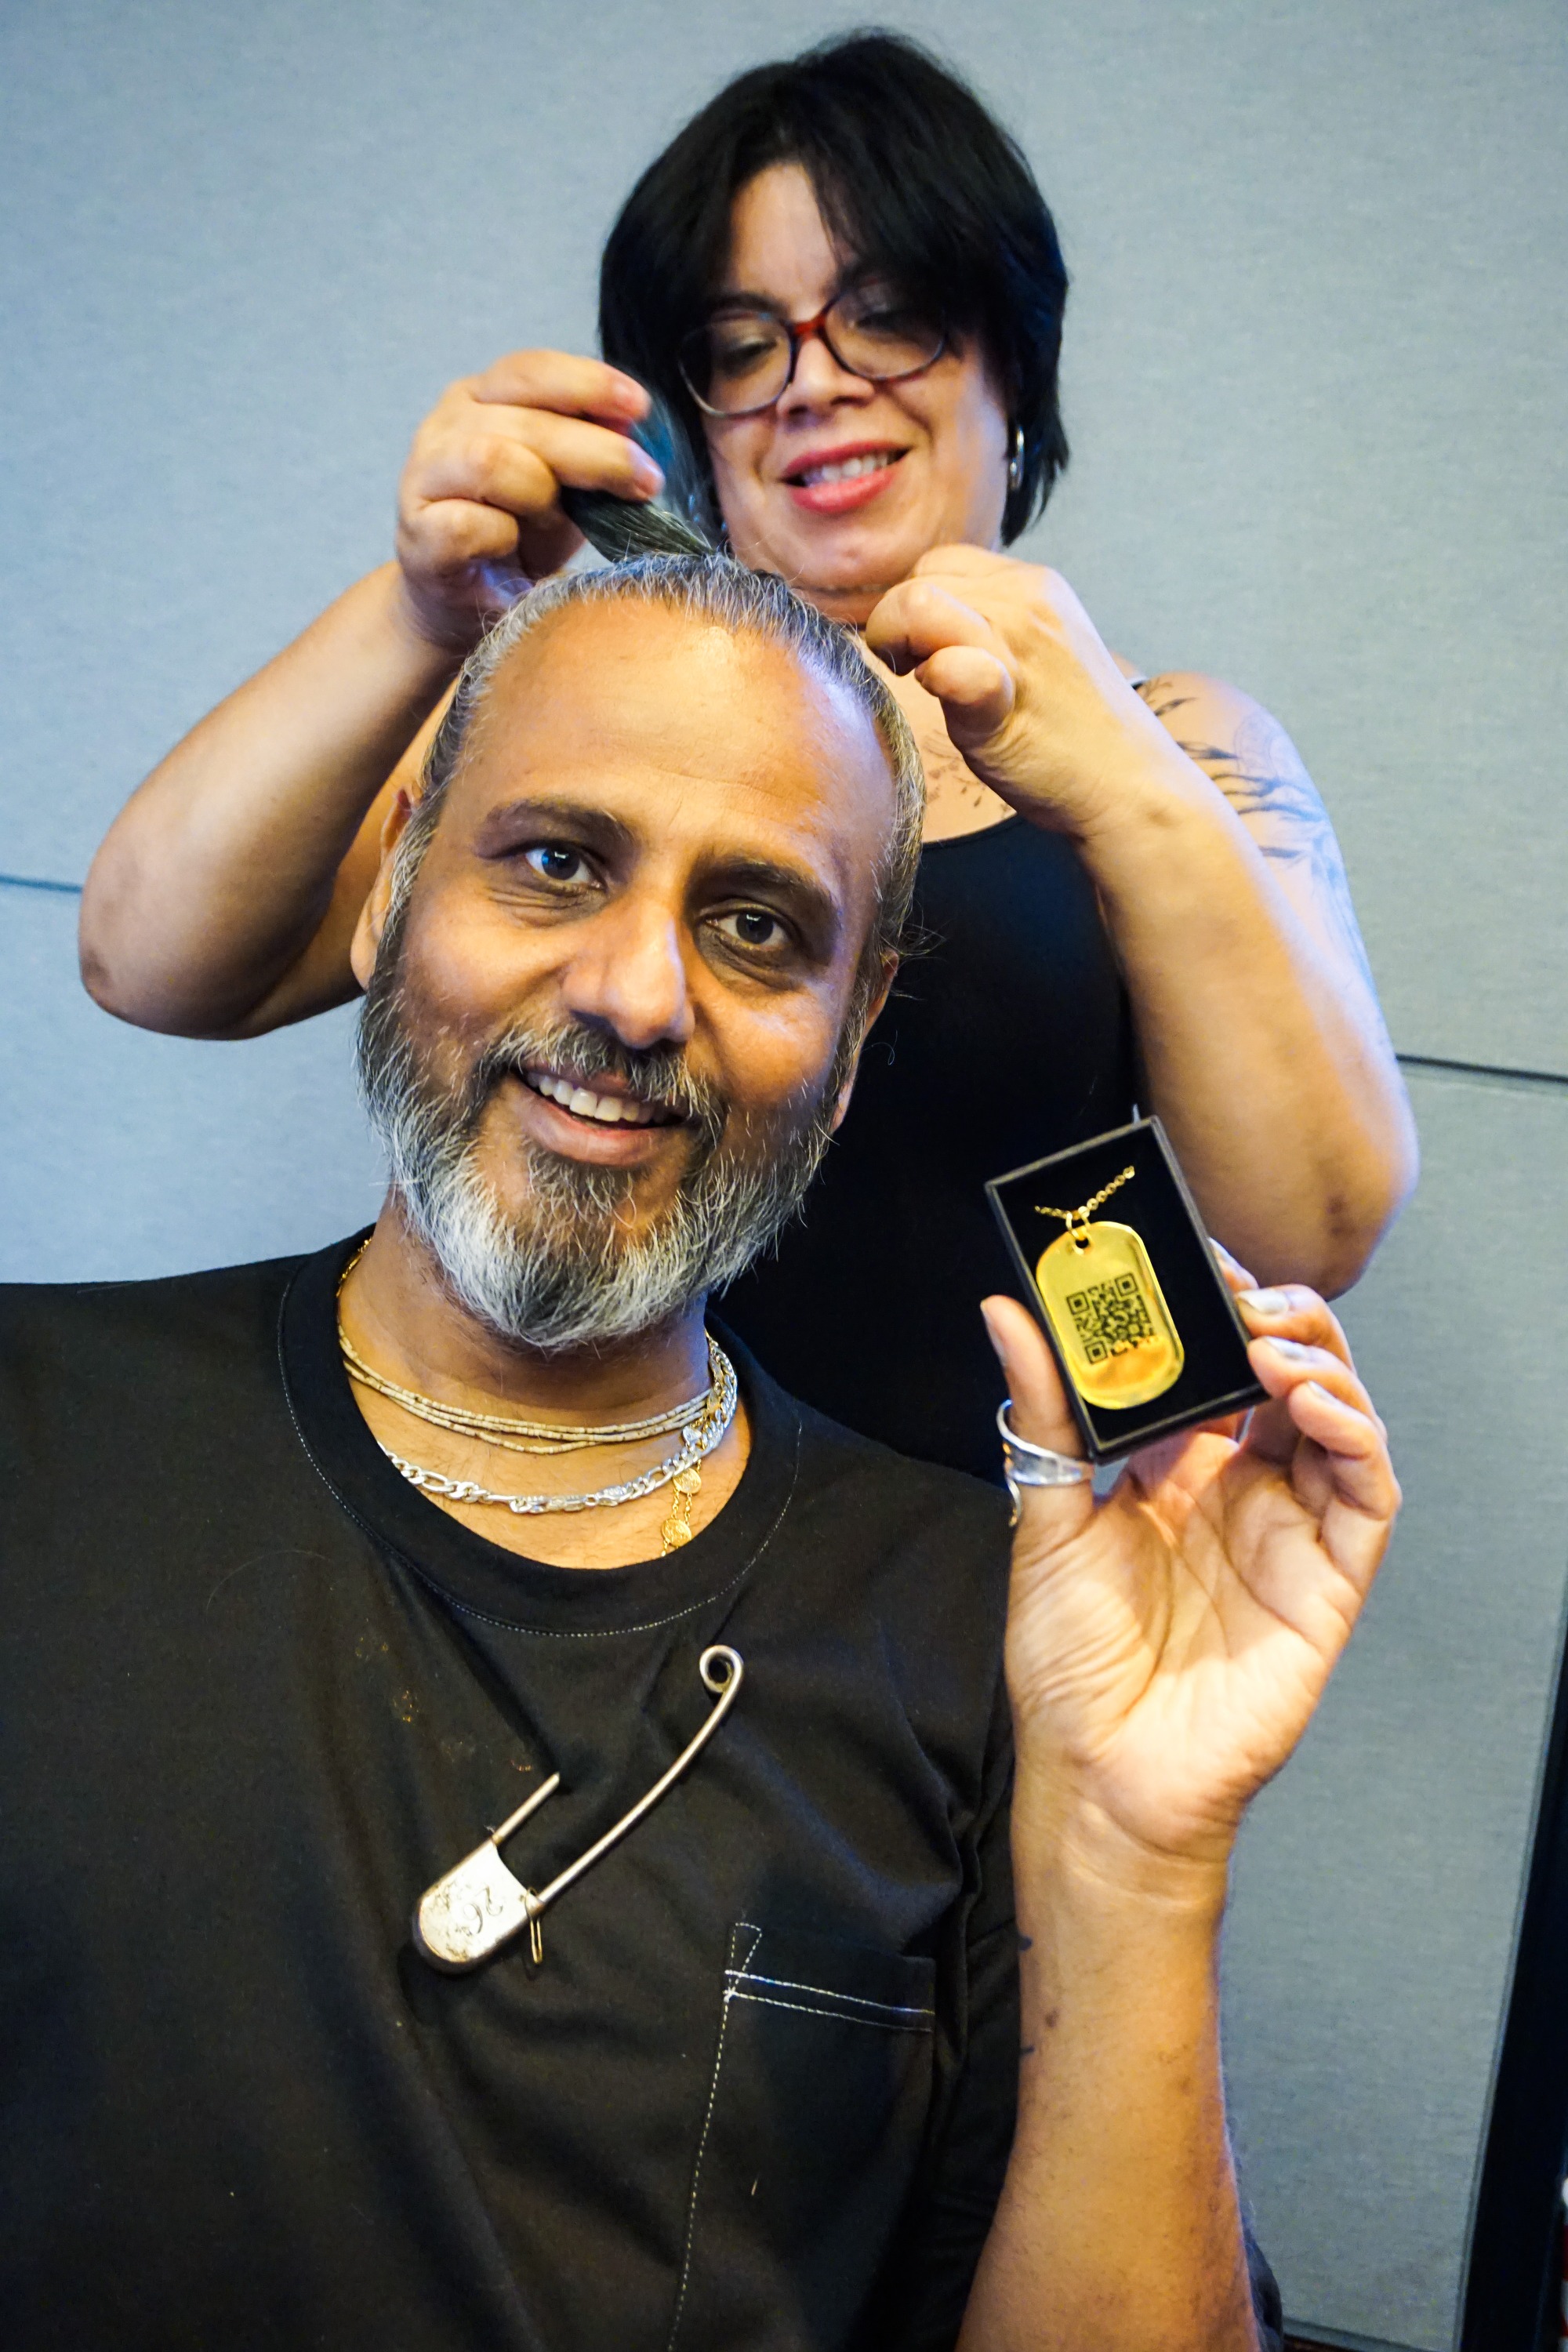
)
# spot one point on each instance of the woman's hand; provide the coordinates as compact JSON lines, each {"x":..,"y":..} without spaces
{"x":479,"y":509}
{"x":1166,"y":1647}
{"x":1032,"y":697}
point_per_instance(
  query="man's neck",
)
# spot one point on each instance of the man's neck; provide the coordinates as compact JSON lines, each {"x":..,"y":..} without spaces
{"x":401,"y":1315}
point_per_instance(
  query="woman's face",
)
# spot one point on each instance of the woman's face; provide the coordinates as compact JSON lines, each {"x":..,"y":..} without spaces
{"x":939,"y":440}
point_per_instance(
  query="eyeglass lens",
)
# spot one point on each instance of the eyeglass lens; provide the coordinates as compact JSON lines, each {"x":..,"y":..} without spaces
{"x":742,"y":359}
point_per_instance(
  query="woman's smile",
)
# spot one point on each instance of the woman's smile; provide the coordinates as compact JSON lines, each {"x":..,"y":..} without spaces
{"x":839,"y":480}
{"x":844,"y":483}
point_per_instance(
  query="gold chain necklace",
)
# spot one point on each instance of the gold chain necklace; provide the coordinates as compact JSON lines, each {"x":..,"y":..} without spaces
{"x":1071,"y":1217}
{"x":704,"y":1423}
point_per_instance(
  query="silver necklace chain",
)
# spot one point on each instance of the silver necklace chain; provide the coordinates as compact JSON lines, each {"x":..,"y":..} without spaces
{"x":522,"y":1436}
{"x":700,"y":1436}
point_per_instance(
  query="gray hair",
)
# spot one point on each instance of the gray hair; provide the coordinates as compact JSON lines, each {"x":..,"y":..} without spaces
{"x":710,"y":588}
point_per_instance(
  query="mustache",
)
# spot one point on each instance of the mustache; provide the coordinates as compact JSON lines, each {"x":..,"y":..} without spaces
{"x":564,"y":1269}
{"x":657,"y":1075}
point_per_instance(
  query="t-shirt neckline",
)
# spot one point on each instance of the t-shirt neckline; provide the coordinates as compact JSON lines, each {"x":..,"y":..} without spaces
{"x":480,"y":1577}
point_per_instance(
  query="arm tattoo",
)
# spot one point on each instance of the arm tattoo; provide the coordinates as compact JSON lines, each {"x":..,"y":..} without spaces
{"x":1262,"y":776}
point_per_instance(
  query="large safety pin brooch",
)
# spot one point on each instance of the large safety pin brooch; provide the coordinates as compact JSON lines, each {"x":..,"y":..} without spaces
{"x":480,"y":1905}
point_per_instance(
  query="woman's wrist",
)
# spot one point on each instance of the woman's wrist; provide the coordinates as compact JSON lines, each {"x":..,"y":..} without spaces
{"x":433,"y":635}
{"x":1150,"y":795}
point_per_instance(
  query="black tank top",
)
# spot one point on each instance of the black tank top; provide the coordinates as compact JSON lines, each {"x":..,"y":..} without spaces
{"x":1009,"y":1037}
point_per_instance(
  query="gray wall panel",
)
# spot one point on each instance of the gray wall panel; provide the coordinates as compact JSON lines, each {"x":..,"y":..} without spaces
{"x":1315,"y":358}
{"x":1369,"y":1953}
{"x":1314,"y":375}
{"x":127,"y":1154}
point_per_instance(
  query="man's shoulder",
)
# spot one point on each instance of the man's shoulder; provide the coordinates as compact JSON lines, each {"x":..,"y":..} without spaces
{"x":879,"y":1478}
{"x":52,"y":1330}
{"x":869,"y":1486}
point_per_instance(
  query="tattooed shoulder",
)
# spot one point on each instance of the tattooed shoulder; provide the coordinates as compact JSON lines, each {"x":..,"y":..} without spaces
{"x":1243,"y":749}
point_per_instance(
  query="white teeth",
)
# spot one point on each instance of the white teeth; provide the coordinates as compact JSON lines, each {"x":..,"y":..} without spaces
{"x":847,"y":469}
{"x":610,"y":1110}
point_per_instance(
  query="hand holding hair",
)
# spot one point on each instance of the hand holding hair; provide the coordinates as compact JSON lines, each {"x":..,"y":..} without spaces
{"x":671,"y":522}
{"x":479,"y":506}
{"x":1032,"y":696}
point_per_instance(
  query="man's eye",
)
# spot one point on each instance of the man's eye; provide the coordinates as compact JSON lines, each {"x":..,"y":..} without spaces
{"x":752,"y":927}
{"x":552,"y":862}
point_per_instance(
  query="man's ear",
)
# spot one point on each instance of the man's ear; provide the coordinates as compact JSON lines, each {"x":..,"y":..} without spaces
{"x":889,"y":972}
{"x":366,"y":940}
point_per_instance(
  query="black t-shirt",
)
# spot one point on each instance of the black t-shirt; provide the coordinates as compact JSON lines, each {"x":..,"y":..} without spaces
{"x":257,"y":1693}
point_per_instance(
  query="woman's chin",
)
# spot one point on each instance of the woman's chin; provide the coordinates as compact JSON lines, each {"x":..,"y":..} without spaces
{"x":842,"y":573}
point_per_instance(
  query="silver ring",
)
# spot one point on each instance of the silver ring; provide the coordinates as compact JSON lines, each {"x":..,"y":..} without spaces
{"x":1024,"y":1464}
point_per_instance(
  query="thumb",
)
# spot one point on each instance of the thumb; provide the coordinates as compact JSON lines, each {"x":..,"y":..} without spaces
{"x":975,"y":690}
{"x":1039,"y":1413}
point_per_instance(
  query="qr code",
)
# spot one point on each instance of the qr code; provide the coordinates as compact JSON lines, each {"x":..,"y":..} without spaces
{"x":1112,"y":1318}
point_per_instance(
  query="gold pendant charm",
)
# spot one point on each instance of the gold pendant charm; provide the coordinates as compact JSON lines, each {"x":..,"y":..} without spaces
{"x":1109,"y":1314}
{"x":678,"y":1528}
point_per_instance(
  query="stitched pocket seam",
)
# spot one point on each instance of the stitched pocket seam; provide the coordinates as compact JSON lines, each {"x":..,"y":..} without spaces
{"x":810,"y":2009}
{"x":746,"y":1928}
{"x":828,"y":1992}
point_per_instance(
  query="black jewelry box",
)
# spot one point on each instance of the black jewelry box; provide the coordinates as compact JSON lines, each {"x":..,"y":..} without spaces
{"x":1139,"y":1318}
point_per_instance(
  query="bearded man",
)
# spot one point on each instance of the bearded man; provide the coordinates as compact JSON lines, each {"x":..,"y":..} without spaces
{"x":316,"y":1571}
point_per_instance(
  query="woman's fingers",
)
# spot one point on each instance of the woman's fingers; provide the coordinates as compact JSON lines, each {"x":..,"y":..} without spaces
{"x":514,"y":459}
{"x":590,"y":456}
{"x":1281,"y":1363}
{"x":564,"y":381}
{"x":919,"y":618}
{"x":480,"y":510}
{"x":975,"y":690}
{"x":453,"y":533}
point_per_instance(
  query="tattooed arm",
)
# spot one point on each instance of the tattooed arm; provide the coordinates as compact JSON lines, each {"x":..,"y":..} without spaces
{"x":1250,"y":756}
{"x":1246,"y":754}
{"x":1221,"y":887}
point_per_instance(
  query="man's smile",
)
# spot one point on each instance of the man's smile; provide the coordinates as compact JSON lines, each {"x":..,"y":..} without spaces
{"x":603,"y":1124}
{"x":604,"y":1101}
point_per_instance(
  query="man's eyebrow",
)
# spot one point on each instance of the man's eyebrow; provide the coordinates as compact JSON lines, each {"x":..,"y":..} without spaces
{"x":507,"y":827}
{"x":810,"y":899}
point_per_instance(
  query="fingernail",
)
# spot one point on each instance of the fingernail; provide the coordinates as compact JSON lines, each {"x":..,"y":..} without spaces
{"x":990,"y":1334}
{"x":647,"y":475}
{"x":1264,"y":1302}
{"x":1291,"y":1347}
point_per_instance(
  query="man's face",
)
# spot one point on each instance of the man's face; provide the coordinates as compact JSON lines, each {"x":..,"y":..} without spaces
{"x":626,"y":962}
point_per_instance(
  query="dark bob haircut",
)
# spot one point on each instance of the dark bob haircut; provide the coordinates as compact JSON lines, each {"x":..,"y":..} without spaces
{"x":913,"y":176}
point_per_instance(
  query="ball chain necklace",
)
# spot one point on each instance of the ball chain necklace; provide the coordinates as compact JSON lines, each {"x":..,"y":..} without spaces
{"x":704,"y":1423}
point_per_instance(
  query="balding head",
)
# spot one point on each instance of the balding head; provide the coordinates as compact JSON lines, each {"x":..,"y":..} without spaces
{"x":623,"y":955}
{"x":725,"y":596}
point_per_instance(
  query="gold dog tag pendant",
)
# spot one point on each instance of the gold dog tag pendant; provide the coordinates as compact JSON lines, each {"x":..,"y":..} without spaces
{"x":1109,"y":1314}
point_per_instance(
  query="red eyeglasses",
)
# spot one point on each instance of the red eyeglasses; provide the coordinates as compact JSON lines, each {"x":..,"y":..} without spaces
{"x":742,"y":361}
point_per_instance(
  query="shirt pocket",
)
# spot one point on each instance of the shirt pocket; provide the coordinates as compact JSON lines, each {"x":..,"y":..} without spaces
{"x":814,"y":2115}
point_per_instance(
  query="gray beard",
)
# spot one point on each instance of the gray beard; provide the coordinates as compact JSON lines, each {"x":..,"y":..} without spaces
{"x":564,"y":1272}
